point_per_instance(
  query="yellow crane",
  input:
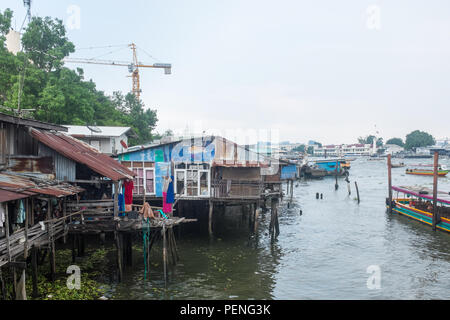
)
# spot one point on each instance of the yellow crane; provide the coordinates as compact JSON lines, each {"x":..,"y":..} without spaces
{"x":133,"y":67}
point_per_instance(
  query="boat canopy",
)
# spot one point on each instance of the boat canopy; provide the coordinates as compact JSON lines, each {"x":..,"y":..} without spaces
{"x":424,"y":192}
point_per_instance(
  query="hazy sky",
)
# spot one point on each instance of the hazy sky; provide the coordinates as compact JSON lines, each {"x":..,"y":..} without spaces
{"x":323,"y":70}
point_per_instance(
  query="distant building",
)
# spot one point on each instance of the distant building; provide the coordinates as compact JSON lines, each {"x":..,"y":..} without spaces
{"x":343,"y":150}
{"x":393,"y":149}
{"x":108,"y":140}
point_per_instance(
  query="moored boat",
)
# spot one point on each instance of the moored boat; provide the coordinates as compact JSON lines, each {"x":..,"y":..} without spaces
{"x":425,"y":172}
{"x":398,"y":165}
{"x":418,"y":205}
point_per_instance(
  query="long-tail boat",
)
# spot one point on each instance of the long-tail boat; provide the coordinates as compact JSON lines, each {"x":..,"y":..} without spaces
{"x":417,"y":204}
{"x":426,"y":172}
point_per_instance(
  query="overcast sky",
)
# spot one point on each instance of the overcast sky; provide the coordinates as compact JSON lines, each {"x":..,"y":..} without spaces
{"x":329,"y":71}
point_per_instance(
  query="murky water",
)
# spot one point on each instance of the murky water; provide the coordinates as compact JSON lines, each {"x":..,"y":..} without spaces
{"x":323,"y":253}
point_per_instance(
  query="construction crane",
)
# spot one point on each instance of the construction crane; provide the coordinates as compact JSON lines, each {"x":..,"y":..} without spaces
{"x":133,"y":67}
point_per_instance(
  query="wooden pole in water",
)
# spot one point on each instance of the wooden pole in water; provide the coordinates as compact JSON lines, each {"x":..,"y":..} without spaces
{"x":336,"y":186}
{"x":119,"y":254}
{"x":211,"y":208}
{"x":52,"y":253}
{"x":435,"y":190}
{"x":389,"y":163}
{"x":34,"y":272}
{"x":164,"y":254}
{"x":2,"y":286}
{"x":357,"y":191}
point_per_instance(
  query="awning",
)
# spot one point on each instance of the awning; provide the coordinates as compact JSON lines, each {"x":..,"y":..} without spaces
{"x":15,"y":186}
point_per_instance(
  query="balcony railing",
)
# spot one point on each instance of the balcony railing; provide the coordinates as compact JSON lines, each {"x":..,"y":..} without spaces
{"x":236,"y":189}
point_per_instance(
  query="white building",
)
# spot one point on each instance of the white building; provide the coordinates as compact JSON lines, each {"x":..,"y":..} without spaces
{"x":393,"y":149}
{"x":108,"y":140}
{"x":13,"y":41}
{"x":343,"y":150}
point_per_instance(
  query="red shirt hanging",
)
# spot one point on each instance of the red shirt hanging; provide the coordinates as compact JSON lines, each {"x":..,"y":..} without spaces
{"x":128,"y":192}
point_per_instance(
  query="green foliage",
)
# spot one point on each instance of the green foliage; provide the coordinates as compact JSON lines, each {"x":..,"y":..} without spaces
{"x":5,"y":23}
{"x":60,"y":95}
{"x":46,"y":43}
{"x":396,"y":141}
{"x":369,"y":140}
{"x":91,"y":267}
{"x":142,"y":121}
{"x":417,"y":139}
{"x":310,"y":150}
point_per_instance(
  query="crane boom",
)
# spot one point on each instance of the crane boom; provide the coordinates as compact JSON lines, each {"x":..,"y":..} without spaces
{"x":133,"y":67}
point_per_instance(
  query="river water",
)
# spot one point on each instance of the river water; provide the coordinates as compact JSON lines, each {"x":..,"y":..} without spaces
{"x":327,"y":249}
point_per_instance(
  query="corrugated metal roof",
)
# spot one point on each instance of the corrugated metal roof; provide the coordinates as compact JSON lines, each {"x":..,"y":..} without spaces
{"x":82,"y":152}
{"x":31,"y":123}
{"x":83,"y":131}
{"x":14,"y":187}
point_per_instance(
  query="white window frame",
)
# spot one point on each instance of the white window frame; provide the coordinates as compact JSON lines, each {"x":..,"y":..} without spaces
{"x":184,"y":194}
{"x":176,"y":179}
{"x":154,"y":181}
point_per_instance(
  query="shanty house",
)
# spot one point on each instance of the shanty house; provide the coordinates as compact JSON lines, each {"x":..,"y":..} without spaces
{"x":209,"y":167}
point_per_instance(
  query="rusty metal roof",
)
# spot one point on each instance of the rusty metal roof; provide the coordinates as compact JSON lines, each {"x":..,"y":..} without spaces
{"x":30,"y":122}
{"x":15,"y":186}
{"x":82,"y":152}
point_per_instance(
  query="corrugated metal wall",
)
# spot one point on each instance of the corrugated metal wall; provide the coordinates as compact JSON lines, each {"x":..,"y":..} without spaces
{"x":65,"y":169}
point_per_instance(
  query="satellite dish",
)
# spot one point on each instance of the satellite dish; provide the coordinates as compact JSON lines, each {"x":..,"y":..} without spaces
{"x":94,"y":128}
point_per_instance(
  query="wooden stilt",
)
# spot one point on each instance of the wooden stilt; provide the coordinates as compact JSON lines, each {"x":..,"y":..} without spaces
{"x":21,"y":293}
{"x":74,"y":241}
{"x":357,"y":191}
{"x":277,"y":226}
{"x":435,"y":219}
{"x":119,"y":255}
{"x":14,"y":281}
{"x":2,"y":286}
{"x":116,"y":199}
{"x":175,"y":245}
{"x":164,"y":254}
{"x":210,"y":217}
{"x":52,"y":258}
{"x":129,"y":250}
{"x":34,"y":271}
{"x":256,"y":220}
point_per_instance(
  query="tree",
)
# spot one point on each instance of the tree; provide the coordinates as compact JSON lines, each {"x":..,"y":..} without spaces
{"x":310,"y":150}
{"x":5,"y":24}
{"x":45,"y":43}
{"x":142,"y":121}
{"x":369,"y":140}
{"x":417,"y":139}
{"x":396,"y":141}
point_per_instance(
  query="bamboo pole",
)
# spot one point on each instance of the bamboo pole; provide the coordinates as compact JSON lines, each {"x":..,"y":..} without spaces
{"x":435,"y":186}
